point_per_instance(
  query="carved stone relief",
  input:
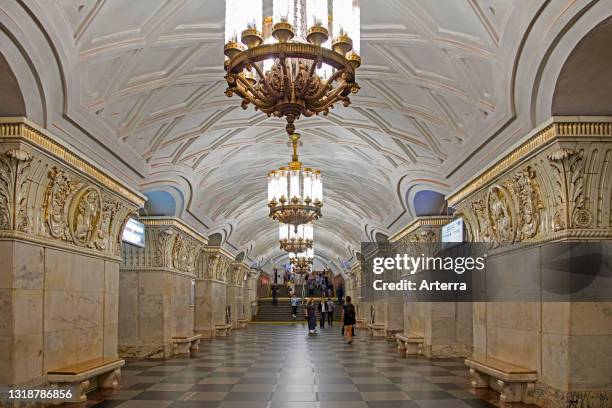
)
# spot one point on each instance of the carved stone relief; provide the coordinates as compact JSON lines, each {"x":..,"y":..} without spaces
{"x":47,"y":201}
{"x":562,"y":190}
{"x":14,"y":168}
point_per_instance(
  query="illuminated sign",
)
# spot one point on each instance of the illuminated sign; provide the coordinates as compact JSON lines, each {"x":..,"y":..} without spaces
{"x":134,"y":233}
{"x":453,"y":231}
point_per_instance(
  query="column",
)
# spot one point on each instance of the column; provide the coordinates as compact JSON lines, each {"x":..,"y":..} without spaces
{"x":61,"y":218}
{"x":213,"y":268}
{"x":156,"y":288}
{"x":552,"y":188}
{"x":446,"y":327}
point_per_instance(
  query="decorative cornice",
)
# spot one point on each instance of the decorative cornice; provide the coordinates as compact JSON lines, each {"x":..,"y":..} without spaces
{"x":21,"y":129}
{"x":175,"y":223}
{"x":431,"y":221}
{"x":554,"y":130}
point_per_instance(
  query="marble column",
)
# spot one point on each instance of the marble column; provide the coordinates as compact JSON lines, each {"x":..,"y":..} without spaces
{"x":61,"y":218}
{"x":213,"y":272}
{"x":552,"y":187}
{"x":446,"y":327}
{"x":156,"y":288}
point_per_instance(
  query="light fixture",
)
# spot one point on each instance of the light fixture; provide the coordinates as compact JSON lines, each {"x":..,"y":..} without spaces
{"x":302,"y":259}
{"x":295,"y":63}
{"x":295,"y":193}
{"x":293,"y":239}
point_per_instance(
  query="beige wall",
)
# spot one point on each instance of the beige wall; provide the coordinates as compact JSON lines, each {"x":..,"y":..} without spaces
{"x":57,"y":308}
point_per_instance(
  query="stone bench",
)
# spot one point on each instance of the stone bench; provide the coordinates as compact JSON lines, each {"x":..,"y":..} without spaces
{"x":409,"y":344}
{"x":377,"y":329}
{"x":241,"y":323}
{"x":186,"y":344}
{"x":223,"y":330}
{"x":105,"y":371}
{"x":361,"y":323}
{"x":514,"y":383}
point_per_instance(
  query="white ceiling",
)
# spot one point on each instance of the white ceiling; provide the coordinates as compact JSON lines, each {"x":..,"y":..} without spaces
{"x":435,"y":84}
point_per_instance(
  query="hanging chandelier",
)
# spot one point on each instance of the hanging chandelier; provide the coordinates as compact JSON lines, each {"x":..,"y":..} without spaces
{"x":301,"y":270}
{"x":302,"y":259}
{"x":295,"y":193}
{"x":294,"y":239}
{"x":300,"y":61}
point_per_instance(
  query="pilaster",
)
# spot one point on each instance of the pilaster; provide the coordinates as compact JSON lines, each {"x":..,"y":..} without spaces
{"x":157,"y":286}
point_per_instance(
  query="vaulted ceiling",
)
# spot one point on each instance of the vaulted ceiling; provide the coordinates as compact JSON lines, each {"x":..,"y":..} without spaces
{"x":436,"y":82}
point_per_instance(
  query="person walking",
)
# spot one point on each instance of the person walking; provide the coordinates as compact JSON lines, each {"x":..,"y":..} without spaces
{"x":340,"y":293}
{"x":295,"y":302}
{"x":349,"y":319}
{"x":311,"y":317}
{"x":330,"y":311}
{"x":322,"y":312}
{"x":274,"y":294}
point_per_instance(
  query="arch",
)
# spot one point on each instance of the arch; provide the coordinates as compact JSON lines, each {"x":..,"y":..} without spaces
{"x":11,"y":98}
{"x":240,"y":256}
{"x":553,"y":80}
{"x":161,"y":203}
{"x":584,"y":86}
{"x":429,"y":202}
{"x":215,"y":239}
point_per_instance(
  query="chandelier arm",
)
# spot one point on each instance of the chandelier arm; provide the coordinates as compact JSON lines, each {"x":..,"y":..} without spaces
{"x":313,"y":66}
{"x":283,"y":62}
{"x":264,"y":79}
{"x":257,"y":103}
{"x":324,"y":88}
{"x":329,"y":99}
{"x":256,"y":94}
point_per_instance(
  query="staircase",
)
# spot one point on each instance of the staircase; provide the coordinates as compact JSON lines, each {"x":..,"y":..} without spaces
{"x":267,"y":312}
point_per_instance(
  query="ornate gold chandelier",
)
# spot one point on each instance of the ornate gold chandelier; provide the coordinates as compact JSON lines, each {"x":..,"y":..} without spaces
{"x":295,"y":194}
{"x":302,"y":260}
{"x":294,"y":239}
{"x":288,"y":66}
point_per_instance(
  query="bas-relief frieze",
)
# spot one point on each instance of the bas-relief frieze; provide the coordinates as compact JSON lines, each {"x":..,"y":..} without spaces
{"x":215,"y":264}
{"x":168,"y":247}
{"x":43,"y":200}
{"x":561,"y":190}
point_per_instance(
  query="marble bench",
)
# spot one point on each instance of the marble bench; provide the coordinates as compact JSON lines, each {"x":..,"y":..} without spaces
{"x":514,"y":383}
{"x":189,"y":344}
{"x":223,"y":330}
{"x":409,"y":344}
{"x":105,"y":371}
{"x":241,"y":323}
{"x":361,"y":323}
{"x":377,"y":329}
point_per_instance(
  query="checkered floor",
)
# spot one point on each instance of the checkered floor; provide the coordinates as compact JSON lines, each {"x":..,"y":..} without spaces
{"x":283,"y":367}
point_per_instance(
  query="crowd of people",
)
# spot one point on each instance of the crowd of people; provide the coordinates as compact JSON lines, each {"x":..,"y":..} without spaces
{"x":326,"y":308}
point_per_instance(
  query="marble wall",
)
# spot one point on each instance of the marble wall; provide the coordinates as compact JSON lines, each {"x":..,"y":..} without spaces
{"x":156,"y":288}
{"x":554,"y":187}
{"x":60,"y":226}
{"x":446,"y":327}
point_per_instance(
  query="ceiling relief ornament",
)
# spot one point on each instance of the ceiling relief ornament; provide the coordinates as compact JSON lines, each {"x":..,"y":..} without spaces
{"x":555,"y":185}
{"x":14,"y":168}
